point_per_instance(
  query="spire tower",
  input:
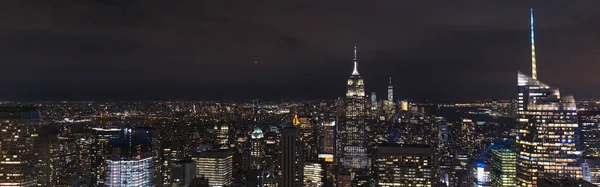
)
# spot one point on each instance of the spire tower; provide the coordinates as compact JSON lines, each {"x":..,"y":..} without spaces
{"x":390,"y":91}
{"x":533,"y":63}
{"x":355,"y":71}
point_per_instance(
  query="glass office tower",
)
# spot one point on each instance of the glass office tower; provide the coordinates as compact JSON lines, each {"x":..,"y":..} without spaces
{"x":547,"y":140}
{"x":504,"y":170}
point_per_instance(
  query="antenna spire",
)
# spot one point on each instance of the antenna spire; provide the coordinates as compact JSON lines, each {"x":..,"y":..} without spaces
{"x":533,"y":62}
{"x":355,"y":71}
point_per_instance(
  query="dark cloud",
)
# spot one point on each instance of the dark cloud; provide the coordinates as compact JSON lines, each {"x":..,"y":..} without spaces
{"x":206,"y":49}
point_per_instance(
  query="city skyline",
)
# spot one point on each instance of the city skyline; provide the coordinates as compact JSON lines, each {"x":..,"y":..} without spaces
{"x":134,"y":50}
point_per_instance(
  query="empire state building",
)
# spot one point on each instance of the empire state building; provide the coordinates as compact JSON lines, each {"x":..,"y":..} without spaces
{"x":353,"y":135}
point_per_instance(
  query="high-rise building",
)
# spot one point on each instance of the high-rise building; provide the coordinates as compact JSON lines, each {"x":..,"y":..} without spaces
{"x":221,"y":133}
{"x":504,"y":168}
{"x":290,"y":158}
{"x":257,"y":149}
{"x":404,"y":105}
{"x":313,"y":174}
{"x":589,"y":121}
{"x":215,"y":165}
{"x":271,"y":149}
{"x":327,"y":140}
{"x":256,"y":174}
{"x":481,"y":173}
{"x":547,"y":143}
{"x":99,"y":148}
{"x":374,"y":101}
{"x":130,"y":159}
{"x":307,"y":137}
{"x":328,"y":149}
{"x":391,"y":91}
{"x":404,"y":165}
{"x":353,"y":132}
{"x":591,"y":170}
{"x":547,"y":139}
{"x":18,"y":151}
{"x":59,"y":158}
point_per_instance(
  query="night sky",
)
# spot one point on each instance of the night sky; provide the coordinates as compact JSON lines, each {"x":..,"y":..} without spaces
{"x":205,"y":49}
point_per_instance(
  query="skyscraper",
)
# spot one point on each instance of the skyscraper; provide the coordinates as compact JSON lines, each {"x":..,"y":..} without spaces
{"x":255,"y":173}
{"x":353,"y":134}
{"x":130,"y":159}
{"x":221,"y":133}
{"x":547,"y":139}
{"x":19,"y":134}
{"x":590,"y":133}
{"x":290,"y":158}
{"x":404,"y":165}
{"x":58,"y":158}
{"x":547,"y":143}
{"x":374,"y":101}
{"x":215,"y":165}
{"x":313,"y":174}
{"x":257,"y":149}
{"x":504,"y":170}
{"x":391,"y":92}
{"x":99,"y":148}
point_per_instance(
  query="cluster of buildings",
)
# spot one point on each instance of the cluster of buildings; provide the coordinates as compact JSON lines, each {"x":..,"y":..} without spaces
{"x":540,"y":138}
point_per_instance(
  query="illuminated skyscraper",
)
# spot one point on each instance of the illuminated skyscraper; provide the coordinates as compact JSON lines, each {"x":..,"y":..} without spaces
{"x":391,"y":92}
{"x":373,"y":101}
{"x":353,"y":132}
{"x":215,"y":165}
{"x":590,"y":133}
{"x":18,"y":159}
{"x":313,"y":175}
{"x":404,"y":165}
{"x":130,"y":159}
{"x":504,"y":168}
{"x":257,"y":149}
{"x":99,"y":148}
{"x":547,"y":139}
{"x":221,"y":133}
{"x":58,"y":158}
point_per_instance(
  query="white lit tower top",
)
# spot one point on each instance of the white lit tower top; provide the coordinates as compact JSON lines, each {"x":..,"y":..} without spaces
{"x":356,"y":87}
{"x":391,"y":91}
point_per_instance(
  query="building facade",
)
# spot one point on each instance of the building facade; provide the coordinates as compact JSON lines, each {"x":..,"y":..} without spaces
{"x":215,"y":165}
{"x":504,"y":167}
{"x":18,"y":151}
{"x":290,"y":158}
{"x":547,"y":137}
{"x":404,"y":165}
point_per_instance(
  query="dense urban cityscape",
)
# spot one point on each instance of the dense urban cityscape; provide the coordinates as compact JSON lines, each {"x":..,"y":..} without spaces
{"x":538,"y":137}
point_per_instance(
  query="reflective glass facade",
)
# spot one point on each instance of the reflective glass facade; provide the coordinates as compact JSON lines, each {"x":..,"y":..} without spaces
{"x":504,"y":170}
{"x":547,"y":133}
{"x":129,"y":173}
